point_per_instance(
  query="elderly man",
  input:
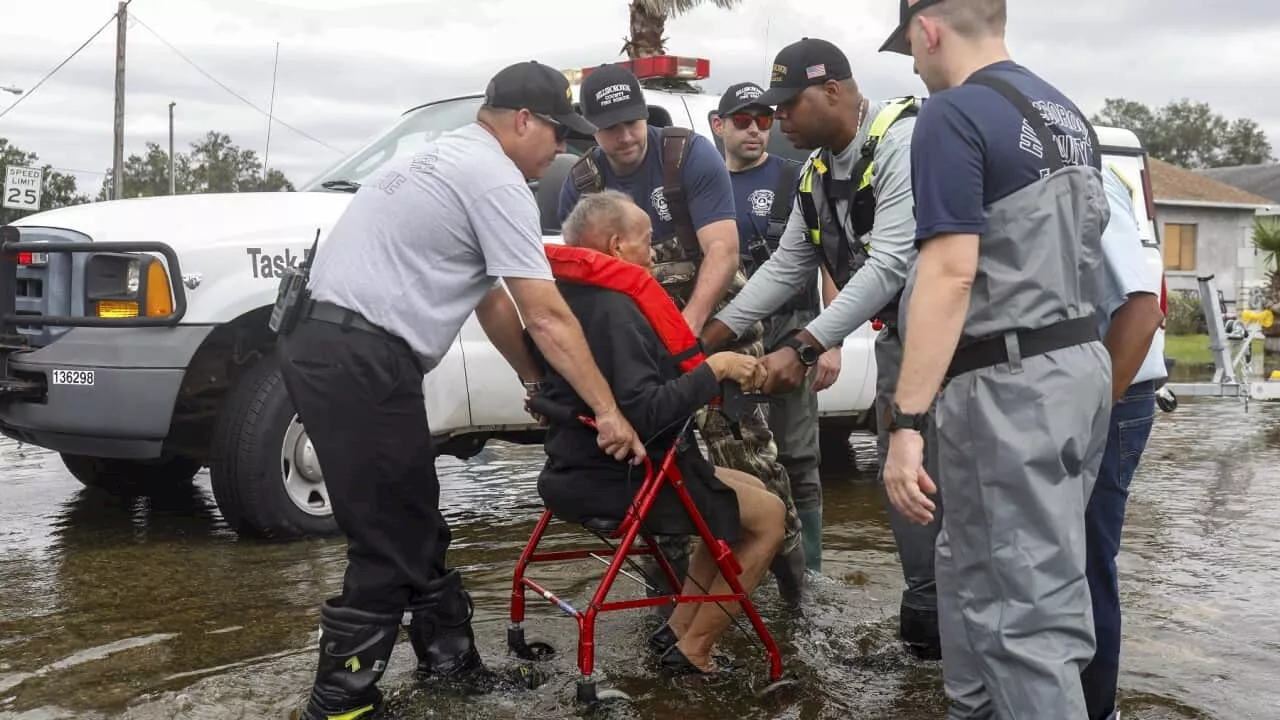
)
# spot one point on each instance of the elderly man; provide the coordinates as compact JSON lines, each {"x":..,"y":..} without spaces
{"x":581,"y":481}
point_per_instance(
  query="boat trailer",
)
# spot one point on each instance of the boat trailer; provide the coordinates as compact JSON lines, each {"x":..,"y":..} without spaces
{"x":1231,"y":342}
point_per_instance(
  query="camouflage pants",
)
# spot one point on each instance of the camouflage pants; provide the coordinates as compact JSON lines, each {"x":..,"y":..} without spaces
{"x":755,"y":454}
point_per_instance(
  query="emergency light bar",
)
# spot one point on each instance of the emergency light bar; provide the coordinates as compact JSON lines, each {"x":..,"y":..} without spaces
{"x":658,"y":66}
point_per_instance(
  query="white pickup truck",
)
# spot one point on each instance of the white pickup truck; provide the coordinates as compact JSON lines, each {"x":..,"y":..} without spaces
{"x":134,"y":341}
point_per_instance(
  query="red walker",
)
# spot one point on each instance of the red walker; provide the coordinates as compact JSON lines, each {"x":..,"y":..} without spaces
{"x":628,"y":530}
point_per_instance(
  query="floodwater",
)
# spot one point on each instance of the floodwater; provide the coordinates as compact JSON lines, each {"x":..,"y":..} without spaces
{"x":148,"y":607}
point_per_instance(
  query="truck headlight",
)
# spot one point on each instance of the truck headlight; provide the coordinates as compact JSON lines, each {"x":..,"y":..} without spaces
{"x":126,"y":285}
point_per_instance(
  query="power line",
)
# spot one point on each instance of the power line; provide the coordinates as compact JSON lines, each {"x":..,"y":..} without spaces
{"x":237,"y":95}
{"x":59,"y":66}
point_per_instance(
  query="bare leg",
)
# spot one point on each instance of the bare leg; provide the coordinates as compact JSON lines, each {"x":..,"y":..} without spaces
{"x":762,"y":515}
{"x":702,"y":572}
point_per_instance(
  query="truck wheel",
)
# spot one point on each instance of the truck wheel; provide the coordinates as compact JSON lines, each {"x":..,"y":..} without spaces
{"x":130,"y":476}
{"x":265,"y":476}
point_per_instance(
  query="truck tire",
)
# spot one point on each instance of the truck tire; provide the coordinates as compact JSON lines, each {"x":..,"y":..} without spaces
{"x":834,"y":448}
{"x":122,"y":477}
{"x":266,"y":479}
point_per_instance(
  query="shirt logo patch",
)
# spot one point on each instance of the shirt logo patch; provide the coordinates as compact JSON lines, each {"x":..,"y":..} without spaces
{"x":815,"y":71}
{"x":659,"y":203}
{"x":761,"y":202}
{"x":779,"y":73}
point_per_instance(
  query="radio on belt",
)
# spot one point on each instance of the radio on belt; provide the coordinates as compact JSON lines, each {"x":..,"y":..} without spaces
{"x":292,"y":294}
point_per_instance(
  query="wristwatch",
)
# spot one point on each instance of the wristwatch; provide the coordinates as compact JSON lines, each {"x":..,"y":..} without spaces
{"x":808,"y":353}
{"x":898,"y":420}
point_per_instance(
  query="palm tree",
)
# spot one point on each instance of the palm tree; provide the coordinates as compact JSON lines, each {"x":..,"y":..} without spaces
{"x":649,"y":21}
{"x":1266,"y":237}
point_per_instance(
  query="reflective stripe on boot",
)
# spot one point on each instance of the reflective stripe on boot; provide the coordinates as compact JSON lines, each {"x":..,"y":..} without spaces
{"x":355,"y":647}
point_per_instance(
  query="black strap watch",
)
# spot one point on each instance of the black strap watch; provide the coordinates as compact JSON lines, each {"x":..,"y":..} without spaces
{"x":808,"y":353}
{"x":896,"y":419}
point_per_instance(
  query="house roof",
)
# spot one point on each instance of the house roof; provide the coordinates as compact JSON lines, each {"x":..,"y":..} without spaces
{"x":1262,"y":180}
{"x":1172,"y":185}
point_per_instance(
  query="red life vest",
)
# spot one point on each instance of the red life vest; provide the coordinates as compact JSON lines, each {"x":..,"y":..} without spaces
{"x":584,"y":266}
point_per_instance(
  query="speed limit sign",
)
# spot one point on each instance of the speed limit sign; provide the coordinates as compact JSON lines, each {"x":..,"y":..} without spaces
{"x":22,"y":188}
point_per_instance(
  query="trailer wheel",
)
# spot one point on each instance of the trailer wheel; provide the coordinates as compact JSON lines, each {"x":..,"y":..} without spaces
{"x":122,"y":477}
{"x":266,"y":479}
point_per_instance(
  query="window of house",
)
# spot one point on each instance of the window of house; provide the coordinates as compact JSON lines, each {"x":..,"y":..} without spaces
{"x":1179,"y":247}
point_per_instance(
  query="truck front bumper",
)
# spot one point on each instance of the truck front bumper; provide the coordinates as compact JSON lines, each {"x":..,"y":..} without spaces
{"x":103,"y":392}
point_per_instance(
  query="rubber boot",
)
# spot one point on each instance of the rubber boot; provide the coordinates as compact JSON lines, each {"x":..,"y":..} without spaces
{"x":440,"y":631}
{"x":354,"y":649}
{"x":811,"y":536}
{"x":788,"y":569}
{"x":918,"y":630}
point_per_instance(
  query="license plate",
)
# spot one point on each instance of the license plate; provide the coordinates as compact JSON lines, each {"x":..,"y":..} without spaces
{"x":72,"y":377}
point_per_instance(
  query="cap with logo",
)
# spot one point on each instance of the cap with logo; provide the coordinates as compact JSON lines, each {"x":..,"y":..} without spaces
{"x":807,"y":62}
{"x":538,"y":88}
{"x":740,"y":97}
{"x":897,"y":41}
{"x":610,"y":95}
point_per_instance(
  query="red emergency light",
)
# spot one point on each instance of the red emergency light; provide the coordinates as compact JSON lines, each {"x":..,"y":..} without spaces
{"x":663,"y":66}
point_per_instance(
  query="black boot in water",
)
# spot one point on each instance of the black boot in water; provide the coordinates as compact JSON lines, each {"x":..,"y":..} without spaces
{"x":919,"y":632}
{"x":354,"y":649}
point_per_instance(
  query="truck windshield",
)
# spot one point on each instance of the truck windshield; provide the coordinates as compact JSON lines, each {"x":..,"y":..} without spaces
{"x":414,"y":130}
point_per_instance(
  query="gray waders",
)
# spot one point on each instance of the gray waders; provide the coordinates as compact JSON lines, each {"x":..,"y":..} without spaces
{"x":918,"y":612}
{"x":1021,"y":425}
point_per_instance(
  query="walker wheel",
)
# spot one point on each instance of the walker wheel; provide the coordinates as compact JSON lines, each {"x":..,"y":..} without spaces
{"x":591,"y":692}
{"x":775,"y":687}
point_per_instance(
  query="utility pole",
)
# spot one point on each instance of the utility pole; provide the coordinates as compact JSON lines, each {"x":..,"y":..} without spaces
{"x":117,"y":155}
{"x":172,"y":182}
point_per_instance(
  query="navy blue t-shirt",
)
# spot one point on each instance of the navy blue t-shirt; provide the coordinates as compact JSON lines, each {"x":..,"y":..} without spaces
{"x":706,"y":185}
{"x":972,"y":147}
{"x":753,"y":196}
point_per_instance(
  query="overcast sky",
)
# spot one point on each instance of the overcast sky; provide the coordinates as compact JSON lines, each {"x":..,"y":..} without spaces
{"x":347,"y":68}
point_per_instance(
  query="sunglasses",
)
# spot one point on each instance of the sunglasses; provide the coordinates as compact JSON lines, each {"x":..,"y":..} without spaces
{"x":743,"y":120}
{"x":562,"y":131}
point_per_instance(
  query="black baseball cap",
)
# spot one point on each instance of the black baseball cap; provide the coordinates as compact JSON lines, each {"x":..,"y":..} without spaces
{"x":809,"y":61}
{"x":610,"y":95}
{"x":897,"y":41}
{"x":539,"y":89}
{"x":741,"y":96}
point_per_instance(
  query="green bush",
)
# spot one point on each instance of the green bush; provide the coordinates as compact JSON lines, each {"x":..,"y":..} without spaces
{"x":1185,"y":315}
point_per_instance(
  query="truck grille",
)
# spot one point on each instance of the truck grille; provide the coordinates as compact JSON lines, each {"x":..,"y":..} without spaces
{"x":50,"y":289}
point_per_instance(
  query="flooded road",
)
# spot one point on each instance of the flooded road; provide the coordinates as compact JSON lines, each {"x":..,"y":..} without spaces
{"x":147,"y":608}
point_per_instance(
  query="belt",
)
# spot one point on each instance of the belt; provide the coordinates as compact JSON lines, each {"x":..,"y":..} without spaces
{"x":994,"y":350}
{"x":338,"y":315}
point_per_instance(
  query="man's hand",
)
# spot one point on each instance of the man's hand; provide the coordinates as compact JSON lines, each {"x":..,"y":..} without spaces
{"x":785,"y":371}
{"x":715,"y":335}
{"x":616,"y":437}
{"x":905,"y":480}
{"x":828,"y":369}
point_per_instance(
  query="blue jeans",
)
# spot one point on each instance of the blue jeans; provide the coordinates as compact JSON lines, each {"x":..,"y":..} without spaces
{"x":1131,"y":421}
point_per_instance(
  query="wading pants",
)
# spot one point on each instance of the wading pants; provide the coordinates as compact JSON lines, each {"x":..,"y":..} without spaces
{"x":915,"y":542}
{"x":1130,"y":426}
{"x":360,"y":396}
{"x":794,"y":422}
{"x":1020,"y":445}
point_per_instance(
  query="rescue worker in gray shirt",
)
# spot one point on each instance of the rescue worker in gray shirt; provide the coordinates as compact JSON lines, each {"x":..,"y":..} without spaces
{"x":430,"y":240}
{"x":853,"y":217}
{"x":1000,"y":314}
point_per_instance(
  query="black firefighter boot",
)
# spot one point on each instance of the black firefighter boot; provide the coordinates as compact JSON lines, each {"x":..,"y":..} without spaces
{"x":354,"y":649}
{"x":440,"y":630}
